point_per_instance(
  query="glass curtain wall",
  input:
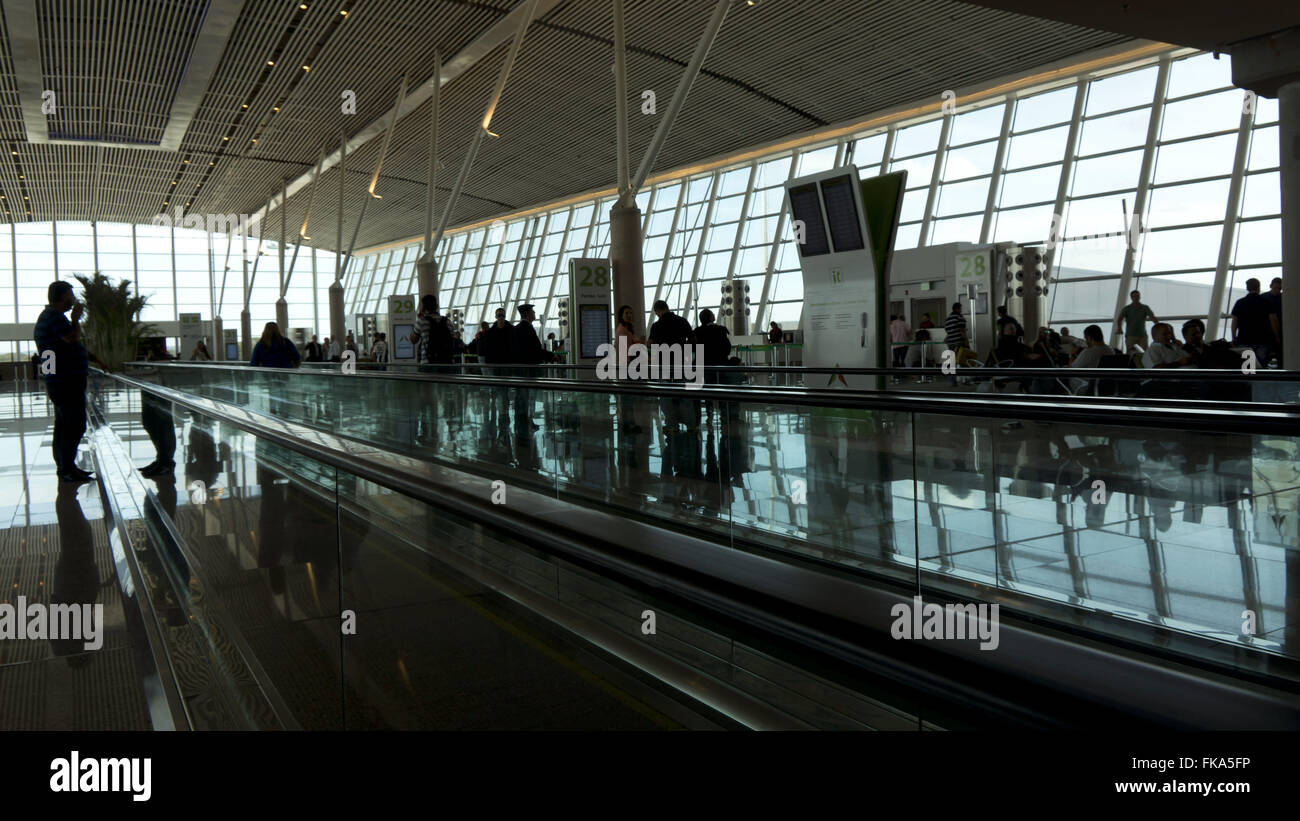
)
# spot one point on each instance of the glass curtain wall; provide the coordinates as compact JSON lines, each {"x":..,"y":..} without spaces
{"x":1167,"y":135}
{"x":170,"y":266}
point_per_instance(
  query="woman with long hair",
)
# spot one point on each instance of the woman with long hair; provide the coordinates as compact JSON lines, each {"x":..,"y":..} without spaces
{"x":273,"y":350}
{"x":623,"y":328}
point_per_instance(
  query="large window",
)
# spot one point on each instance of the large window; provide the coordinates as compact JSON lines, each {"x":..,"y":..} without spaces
{"x":1166,"y":134}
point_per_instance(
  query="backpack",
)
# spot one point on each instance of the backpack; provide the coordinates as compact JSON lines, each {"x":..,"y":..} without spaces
{"x":437,"y":351}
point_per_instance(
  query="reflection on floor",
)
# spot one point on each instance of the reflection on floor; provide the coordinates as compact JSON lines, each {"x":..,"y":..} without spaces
{"x":431,"y":650}
{"x":54,"y":548}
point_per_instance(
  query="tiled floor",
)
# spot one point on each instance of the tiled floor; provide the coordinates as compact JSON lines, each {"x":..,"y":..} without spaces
{"x":54,"y":547}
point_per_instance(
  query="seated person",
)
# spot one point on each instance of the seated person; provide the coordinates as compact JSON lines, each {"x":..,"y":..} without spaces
{"x":1010,"y":348}
{"x":1068,"y":342}
{"x":1090,"y":357}
{"x":1164,"y":351}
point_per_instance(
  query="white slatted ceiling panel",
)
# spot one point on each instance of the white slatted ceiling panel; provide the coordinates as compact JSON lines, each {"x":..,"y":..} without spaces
{"x":776,"y":69}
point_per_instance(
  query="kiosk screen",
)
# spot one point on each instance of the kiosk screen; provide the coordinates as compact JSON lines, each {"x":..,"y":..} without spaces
{"x":804,"y":205}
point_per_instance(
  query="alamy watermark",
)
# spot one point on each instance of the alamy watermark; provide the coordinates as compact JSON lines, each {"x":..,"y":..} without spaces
{"x":653,"y":361}
{"x":953,"y":622}
{"x":245,"y":224}
{"x":53,"y":622}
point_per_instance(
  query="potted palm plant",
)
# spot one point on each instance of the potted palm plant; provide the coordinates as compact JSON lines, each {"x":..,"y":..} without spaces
{"x":112,"y":329}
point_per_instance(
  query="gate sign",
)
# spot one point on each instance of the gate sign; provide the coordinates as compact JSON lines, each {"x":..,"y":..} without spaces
{"x":591,"y":287}
{"x":401,"y":323}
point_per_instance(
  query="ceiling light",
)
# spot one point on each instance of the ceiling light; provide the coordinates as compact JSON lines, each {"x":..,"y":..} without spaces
{"x":254,"y":142}
{"x":212,"y":162}
{"x":306,"y":68}
{"x":276,"y":108}
{"x":302,"y":6}
{"x":245,"y":105}
{"x":344,"y":13}
{"x":225,"y":139}
{"x":186,"y":162}
{"x":270,"y":62}
{"x":15,"y":153}
{"x":173,"y":182}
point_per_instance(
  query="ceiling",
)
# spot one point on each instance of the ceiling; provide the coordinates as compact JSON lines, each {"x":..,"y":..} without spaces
{"x":174,"y":101}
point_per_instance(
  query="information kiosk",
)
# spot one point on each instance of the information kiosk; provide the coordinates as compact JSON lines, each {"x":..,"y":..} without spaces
{"x":590,"y":315}
{"x":840,"y":279}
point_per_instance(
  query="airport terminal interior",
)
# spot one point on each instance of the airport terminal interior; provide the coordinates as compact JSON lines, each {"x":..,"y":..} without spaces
{"x":649,"y":364}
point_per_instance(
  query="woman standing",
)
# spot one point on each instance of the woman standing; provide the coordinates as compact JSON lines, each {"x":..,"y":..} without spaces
{"x":200,"y":352}
{"x":273,"y":350}
{"x":623,"y":329}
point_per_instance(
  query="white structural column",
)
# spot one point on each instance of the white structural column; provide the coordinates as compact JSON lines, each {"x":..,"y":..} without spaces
{"x":1056,"y":230}
{"x":760,"y":316}
{"x":936,"y":174}
{"x":690,"y":300}
{"x":1231,"y":213}
{"x":1132,"y":238}
{"x":999,"y":162}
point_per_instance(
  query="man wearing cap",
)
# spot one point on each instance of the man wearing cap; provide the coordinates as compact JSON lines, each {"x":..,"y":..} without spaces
{"x":65,"y":376}
{"x":526,"y":349}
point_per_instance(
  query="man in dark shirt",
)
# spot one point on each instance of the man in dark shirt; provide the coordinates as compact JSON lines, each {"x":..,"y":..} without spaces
{"x":671,"y":329}
{"x":495,"y":345}
{"x":314,"y":350}
{"x":716,"y":342}
{"x":1274,"y":300}
{"x":64,"y":365}
{"x":1251,"y":327}
{"x":526,"y":349}
{"x":1004,"y":319}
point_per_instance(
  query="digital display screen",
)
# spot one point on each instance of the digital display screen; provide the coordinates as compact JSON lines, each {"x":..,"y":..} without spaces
{"x":804,"y":205}
{"x":402,"y":346}
{"x":232,"y":351}
{"x":842,"y":214}
{"x":594,"y":329}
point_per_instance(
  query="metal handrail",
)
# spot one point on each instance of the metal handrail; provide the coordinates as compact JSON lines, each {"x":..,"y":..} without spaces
{"x":1184,"y":414}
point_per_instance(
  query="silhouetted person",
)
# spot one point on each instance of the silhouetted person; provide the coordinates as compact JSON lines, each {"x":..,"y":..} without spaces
{"x":65,"y":381}
{"x":526,"y":349}
{"x":274,"y":350}
{"x":156,"y":416}
{"x":1252,"y":325}
{"x":314,"y":351}
{"x":716,"y":342}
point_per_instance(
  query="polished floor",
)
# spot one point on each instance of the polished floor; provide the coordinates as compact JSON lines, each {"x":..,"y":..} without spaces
{"x":55,"y":547}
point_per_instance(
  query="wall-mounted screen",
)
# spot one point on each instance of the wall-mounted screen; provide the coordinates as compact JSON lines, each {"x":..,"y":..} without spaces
{"x":402,"y":346}
{"x":842,"y":214}
{"x":805,"y":205}
{"x":594,"y":327}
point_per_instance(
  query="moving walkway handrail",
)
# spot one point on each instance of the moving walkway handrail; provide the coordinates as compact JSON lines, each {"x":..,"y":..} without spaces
{"x":1166,"y":414}
{"x":761,"y":590}
{"x":1161,"y":374}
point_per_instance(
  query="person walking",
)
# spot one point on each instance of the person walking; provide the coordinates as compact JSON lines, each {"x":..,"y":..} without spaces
{"x":58,"y":341}
{"x":900,"y":333}
{"x":955,"y":329}
{"x":1274,"y":300}
{"x":1134,"y":317}
{"x":526,"y":349}
{"x":1253,"y":323}
{"x":314,"y":351}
